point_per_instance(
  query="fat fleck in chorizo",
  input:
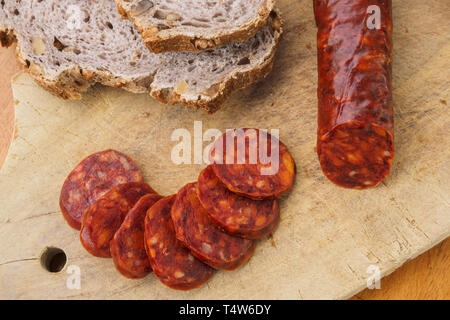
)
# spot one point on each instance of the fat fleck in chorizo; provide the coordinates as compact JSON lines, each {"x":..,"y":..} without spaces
{"x":104,"y":217}
{"x":207,"y":242}
{"x":253,"y":163}
{"x":92,"y":178}
{"x":171,"y":261}
{"x":355,"y":126}
{"x":127,"y":246}
{"x":237,"y":215}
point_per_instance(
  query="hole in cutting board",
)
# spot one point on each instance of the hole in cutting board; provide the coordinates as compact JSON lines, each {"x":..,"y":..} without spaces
{"x":53,"y":259}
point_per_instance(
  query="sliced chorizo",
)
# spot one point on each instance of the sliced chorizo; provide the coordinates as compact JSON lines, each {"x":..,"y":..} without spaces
{"x":237,"y":215}
{"x":194,"y":228}
{"x":171,"y":261}
{"x":105,"y":216}
{"x":355,"y":142}
{"x":127,"y":246}
{"x":93,"y":177}
{"x":253,"y":163}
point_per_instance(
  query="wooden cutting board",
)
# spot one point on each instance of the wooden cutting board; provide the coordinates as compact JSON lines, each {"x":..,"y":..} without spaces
{"x":328,"y":238}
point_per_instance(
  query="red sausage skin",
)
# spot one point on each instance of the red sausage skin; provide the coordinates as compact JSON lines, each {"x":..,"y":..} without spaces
{"x":355,"y":141}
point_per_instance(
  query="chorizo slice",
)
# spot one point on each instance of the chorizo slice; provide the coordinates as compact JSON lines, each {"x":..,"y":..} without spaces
{"x":237,"y":215}
{"x":105,"y":216}
{"x":194,"y":228}
{"x":253,"y":163}
{"x":127,"y":246}
{"x":172,"y":262}
{"x":93,"y":177}
{"x":355,"y":142}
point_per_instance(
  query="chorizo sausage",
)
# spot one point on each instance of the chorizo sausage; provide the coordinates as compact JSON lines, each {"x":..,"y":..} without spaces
{"x":247,"y":169}
{"x":171,"y":261}
{"x":127,"y":246}
{"x":93,"y":177}
{"x":207,"y":242}
{"x":355,"y":141}
{"x":237,"y":215}
{"x":104,"y":217}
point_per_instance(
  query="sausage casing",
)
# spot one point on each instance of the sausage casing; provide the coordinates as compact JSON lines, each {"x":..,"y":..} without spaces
{"x":355,"y":141}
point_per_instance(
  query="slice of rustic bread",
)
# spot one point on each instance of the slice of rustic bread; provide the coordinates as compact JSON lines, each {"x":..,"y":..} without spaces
{"x":195,"y":25}
{"x":69,"y":45}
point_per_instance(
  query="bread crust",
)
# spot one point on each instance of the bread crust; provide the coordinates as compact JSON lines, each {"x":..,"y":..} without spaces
{"x":71,"y":83}
{"x":170,"y":40}
{"x":233,"y":82}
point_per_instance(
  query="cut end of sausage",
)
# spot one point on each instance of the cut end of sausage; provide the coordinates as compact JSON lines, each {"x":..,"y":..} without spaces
{"x":253,"y":163}
{"x":208,"y":243}
{"x":104,"y":217}
{"x":127,"y":247}
{"x":356,"y":156}
{"x":92,"y":178}
{"x":239,"y":216}
{"x":171,"y":261}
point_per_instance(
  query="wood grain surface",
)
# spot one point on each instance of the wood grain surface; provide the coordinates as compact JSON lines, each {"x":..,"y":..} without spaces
{"x":8,"y":67}
{"x":425,"y":277}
